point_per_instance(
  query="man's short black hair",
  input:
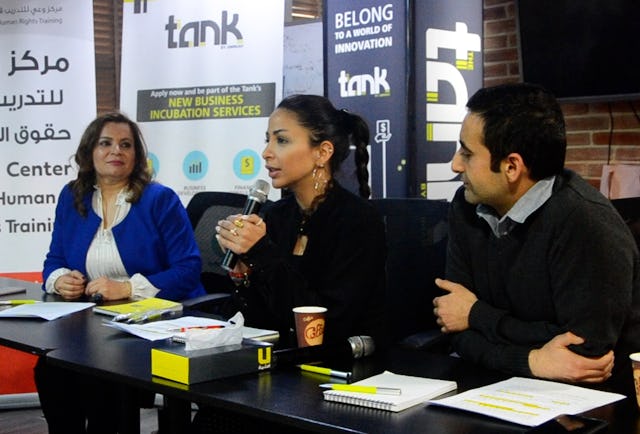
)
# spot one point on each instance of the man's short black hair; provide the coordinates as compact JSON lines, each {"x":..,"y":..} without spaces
{"x":526,"y":119}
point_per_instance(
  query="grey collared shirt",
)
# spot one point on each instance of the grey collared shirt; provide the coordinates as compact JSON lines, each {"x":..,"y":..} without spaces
{"x":533,"y":199}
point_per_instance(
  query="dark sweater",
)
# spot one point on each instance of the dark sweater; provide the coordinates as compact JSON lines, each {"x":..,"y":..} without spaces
{"x":342,"y":268}
{"x":572,"y":265}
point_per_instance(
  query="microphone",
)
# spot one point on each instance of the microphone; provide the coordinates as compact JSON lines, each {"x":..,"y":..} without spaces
{"x":257,"y":196}
{"x":356,"y":347}
{"x":97,"y":298}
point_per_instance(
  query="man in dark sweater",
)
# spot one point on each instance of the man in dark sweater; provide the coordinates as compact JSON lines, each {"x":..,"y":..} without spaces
{"x":543,"y":275}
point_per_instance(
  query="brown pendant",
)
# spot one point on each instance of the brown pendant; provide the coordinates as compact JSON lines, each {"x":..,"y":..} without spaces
{"x":301,"y":245}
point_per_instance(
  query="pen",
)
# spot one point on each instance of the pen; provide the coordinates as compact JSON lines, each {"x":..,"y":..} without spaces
{"x":326,"y":371}
{"x":184,"y":329}
{"x":363,"y":389}
{"x":16,"y":302}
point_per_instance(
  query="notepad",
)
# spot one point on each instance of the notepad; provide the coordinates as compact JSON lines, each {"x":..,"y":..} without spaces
{"x":415,"y":390}
{"x":139,"y":306}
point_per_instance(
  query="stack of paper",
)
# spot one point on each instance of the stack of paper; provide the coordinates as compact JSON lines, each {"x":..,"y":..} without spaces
{"x":175,"y":329}
{"x":528,"y":401}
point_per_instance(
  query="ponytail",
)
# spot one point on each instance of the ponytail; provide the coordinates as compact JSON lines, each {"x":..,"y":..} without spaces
{"x":358,"y":131}
{"x":325,"y":122}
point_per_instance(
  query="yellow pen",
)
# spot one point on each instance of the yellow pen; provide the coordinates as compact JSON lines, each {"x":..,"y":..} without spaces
{"x":17,"y":302}
{"x":363,"y":389}
{"x":326,"y":371}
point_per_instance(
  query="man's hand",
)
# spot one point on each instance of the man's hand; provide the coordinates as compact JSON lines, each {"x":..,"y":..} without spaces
{"x":452,"y":310}
{"x":555,"y":361}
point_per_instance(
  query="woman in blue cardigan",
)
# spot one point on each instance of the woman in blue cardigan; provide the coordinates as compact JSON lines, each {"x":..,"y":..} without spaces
{"x":116,"y":236}
{"x":116,"y":233}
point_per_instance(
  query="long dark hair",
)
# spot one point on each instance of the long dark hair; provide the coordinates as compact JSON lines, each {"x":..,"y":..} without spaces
{"x":340,"y":127}
{"x":83,"y":184}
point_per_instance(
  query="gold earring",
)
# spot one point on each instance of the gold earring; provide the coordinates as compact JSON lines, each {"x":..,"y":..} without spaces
{"x":318,"y":176}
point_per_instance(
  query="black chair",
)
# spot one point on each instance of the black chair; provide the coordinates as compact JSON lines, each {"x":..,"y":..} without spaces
{"x":416,"y":231}
{"x":205,"y":209}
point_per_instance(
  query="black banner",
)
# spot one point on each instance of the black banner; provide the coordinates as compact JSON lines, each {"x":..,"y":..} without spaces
{"x":366,"y":58}
{"x":448,"y":69}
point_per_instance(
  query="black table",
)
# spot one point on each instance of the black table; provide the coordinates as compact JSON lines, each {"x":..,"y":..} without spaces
{"x":38,"y":336}
{"x":283,"y":395}
{"x":291,"y":397}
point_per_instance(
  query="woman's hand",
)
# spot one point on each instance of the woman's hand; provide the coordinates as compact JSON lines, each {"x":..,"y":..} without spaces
{"x":110,"y":289}
{"x":240,"y":232}
{"x":71,"y":285}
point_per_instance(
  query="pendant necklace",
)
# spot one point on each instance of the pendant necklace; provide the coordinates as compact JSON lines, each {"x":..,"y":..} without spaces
{"x":301,"y":241}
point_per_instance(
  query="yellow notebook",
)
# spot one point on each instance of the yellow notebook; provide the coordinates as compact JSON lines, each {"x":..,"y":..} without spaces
{"x":139,"y":306}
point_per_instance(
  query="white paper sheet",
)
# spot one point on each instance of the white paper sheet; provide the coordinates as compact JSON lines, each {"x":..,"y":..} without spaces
{"x":46,"y":310}
{"x":528,"y":401}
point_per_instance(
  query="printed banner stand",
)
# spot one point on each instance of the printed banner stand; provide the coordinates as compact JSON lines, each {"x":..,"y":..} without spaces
{"x":413,"y":96}
{"x":201,"y":78}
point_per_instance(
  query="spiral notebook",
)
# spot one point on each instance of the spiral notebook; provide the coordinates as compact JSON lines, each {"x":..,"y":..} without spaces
{"x":415,"y":390}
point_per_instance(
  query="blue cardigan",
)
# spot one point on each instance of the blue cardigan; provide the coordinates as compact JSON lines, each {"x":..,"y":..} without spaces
{"x":155,"y":239}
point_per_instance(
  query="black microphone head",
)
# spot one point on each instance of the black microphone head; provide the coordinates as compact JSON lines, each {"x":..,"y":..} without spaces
{"x":259,"y":191}
{"x":362,"y":346}
{"x":97,"y":298}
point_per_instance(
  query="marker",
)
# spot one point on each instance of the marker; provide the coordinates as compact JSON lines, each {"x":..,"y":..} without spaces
{"x":121,"y":317}
{"x":363,"y":389}
{"x":184,"y":329}
{"x":154,"y":315}
{"x":326,"y":371}
{"x":17,"y":302}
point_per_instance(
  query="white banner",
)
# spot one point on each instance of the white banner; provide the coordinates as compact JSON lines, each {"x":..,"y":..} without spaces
{"x":201,"y":78}
{"x":47,"y":98}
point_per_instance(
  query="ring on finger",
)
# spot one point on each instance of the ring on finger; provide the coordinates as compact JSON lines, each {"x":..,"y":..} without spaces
{"x":234,"y":232}
{"x":238,"y":223}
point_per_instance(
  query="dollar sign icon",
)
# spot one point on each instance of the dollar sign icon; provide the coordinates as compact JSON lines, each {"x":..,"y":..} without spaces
{"x":246,"y":165}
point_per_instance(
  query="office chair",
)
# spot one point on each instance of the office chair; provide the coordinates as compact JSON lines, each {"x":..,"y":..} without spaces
{"x":416,"y":233}
{"x":204,"y":210}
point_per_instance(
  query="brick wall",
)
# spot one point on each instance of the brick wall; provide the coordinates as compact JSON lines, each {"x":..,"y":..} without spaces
{"x":107,"y":32}
{"x":597,"y":132}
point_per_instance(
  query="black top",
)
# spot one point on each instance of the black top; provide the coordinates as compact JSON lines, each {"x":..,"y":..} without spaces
{"x":342,"y":268}
{"x":571,"y":266}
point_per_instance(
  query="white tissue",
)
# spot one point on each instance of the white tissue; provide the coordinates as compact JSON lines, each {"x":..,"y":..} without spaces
{"x":198,"y":339}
